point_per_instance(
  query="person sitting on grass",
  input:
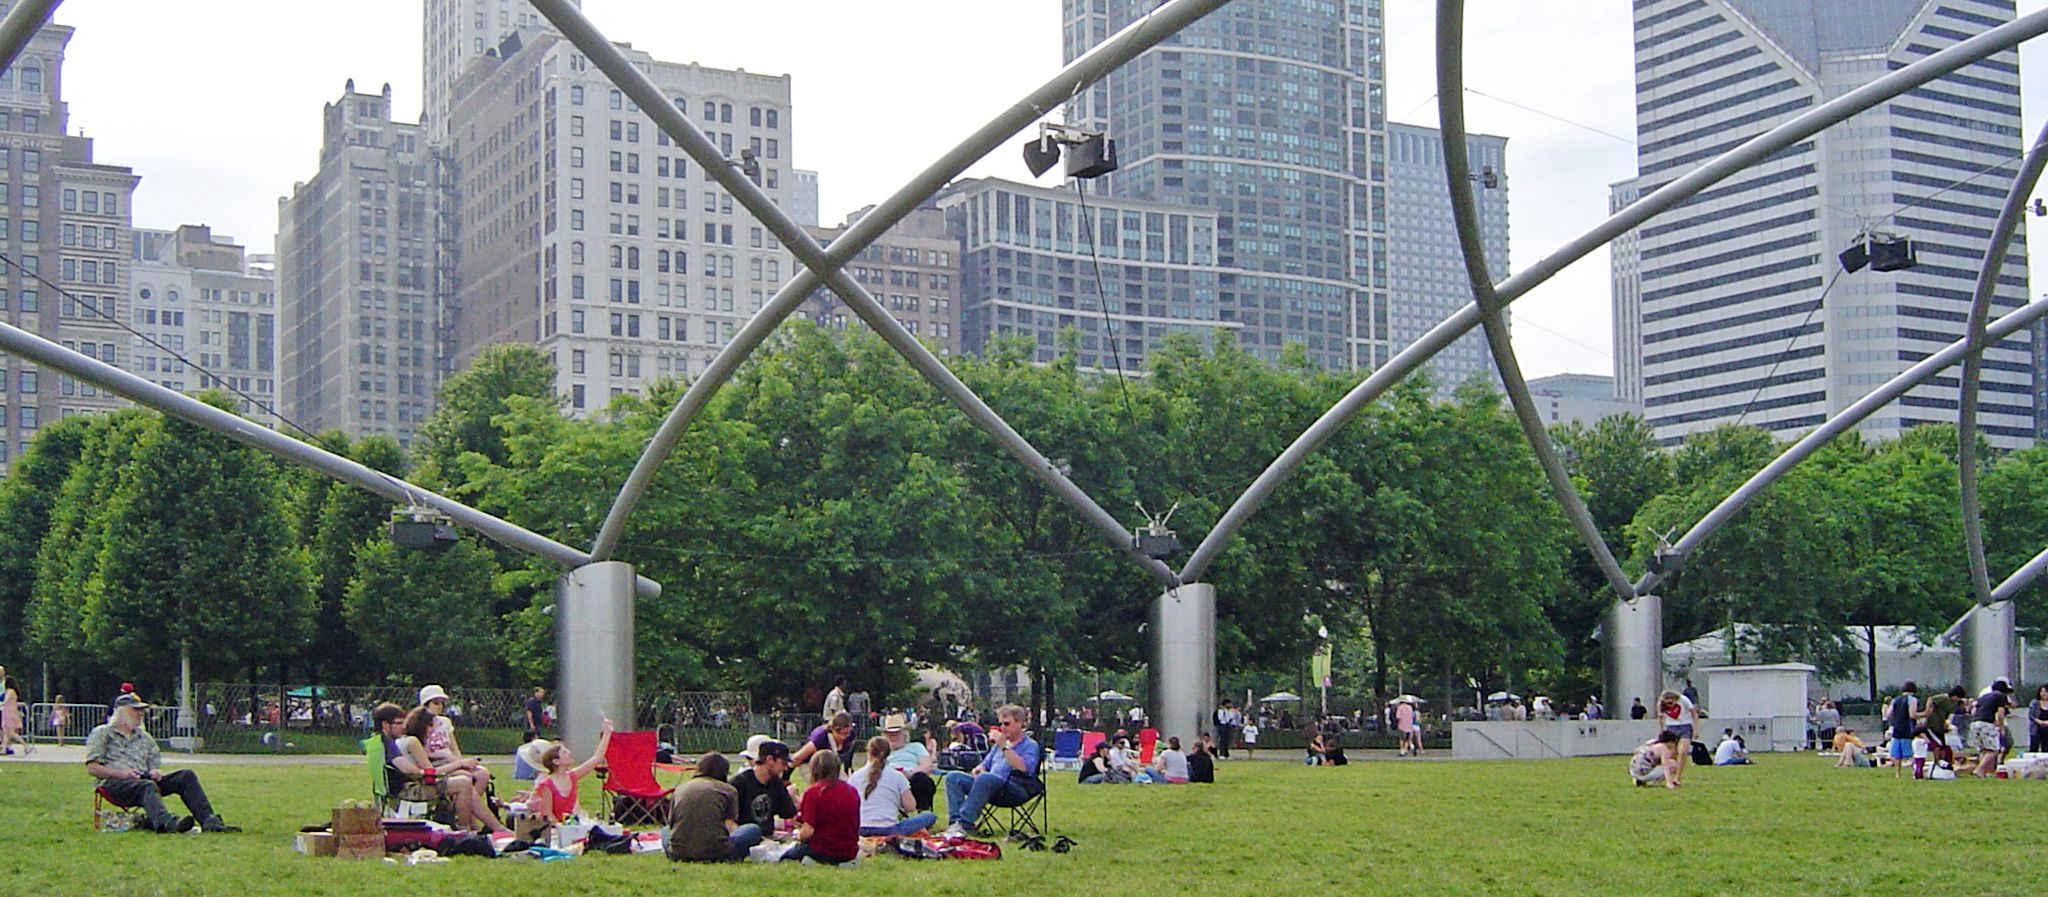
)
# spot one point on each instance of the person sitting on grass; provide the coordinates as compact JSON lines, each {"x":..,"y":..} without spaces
{"x":914,"y":759}
{"x":123,"y":756}
{"x":1202,"y":764}
{"x":1124,"y":760}
{"x":704,"y":817}
{"x":406,"y":769}
{"x":555,"y":793}
{"x":1097,"y":770}
{"x":828,"y":817}
{"x":1007,"y":777}
{"x":1656,"y":761}
{"x":765,"y":795}
{"x":440,"y":741}
{"x":1333,"y":750}
{"x":1731,"y":751}
{"x":1170,"y":766}
{"x":1853,"y":752}
{"x":1314,"y":757}
{"x":885,"y":794}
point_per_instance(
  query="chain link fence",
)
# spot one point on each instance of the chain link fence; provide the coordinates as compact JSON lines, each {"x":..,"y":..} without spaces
{"x":333,"y":719}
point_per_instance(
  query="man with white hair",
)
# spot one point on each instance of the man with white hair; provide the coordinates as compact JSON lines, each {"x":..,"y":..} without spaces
{"x":124,"y":757}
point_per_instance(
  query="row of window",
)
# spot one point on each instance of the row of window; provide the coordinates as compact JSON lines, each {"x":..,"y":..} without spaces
{"x":714,"y":111}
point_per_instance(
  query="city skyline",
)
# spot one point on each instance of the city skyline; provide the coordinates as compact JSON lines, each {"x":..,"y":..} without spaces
{"x":232,"y":181}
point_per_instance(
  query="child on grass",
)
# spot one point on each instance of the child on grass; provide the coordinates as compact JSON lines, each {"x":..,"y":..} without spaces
{"x":554,"y":796}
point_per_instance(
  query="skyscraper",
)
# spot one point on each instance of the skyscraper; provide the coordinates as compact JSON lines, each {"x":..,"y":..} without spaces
{"x":913,"y":270}
{"x":1269,"y":114}
{"x":1428,"y":269}
{"x":64,"y":218}
{"x":456,"y":33}
{"x":1745,"y":313}
{"x":201,"y":294}
{"x":355,"y":279}
{"x":584,"y":230}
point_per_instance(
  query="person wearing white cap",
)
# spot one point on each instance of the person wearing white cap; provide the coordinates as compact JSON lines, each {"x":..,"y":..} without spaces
{"x":440,"y":742}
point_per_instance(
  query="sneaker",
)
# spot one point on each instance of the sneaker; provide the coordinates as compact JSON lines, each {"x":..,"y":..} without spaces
{"x":956,"y":830}
{"x":176,"y":825}
{"x":218,"y":825}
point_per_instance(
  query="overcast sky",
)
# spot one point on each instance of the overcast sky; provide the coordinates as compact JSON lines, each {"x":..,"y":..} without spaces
{"x":217,"y":105}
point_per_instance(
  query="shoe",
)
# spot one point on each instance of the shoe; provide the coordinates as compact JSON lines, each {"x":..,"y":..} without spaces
{"x":219,"y":826}
{"x":1064,"y":844}
{"x":176,"y":825}
{"x":956,"y":830}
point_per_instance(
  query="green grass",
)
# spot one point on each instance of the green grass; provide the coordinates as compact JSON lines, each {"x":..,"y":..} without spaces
{"x":1790,"y":826}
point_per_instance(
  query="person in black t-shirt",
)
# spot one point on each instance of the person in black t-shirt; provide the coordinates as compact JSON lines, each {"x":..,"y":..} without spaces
{"x":1987,"y":726}
{"x":1638,"y":711}
{"x":535,"y":713}
{"x":764,"y":796}
{"x":1201,"y":765}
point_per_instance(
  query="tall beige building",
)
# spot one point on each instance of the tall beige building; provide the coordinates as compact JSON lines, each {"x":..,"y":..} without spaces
{"x":582,"y":229}
{"x":64,"y":220}
{"x":457,"y":32}
{"x":355,"y":277}
{"x":201,"y":297}
{"x":913,"y":269}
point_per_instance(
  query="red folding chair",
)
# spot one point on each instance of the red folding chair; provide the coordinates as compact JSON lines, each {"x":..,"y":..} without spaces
{"x":1088,"y":742}
{"x":1148,"y":739}
{"x":634,"y":796}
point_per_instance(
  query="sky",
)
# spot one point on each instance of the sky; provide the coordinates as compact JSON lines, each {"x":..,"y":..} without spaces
{"x":217,"y":105}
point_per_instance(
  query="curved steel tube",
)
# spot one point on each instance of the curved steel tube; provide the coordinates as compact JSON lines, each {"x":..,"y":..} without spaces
{"x":2021,"y":578}
{"x":1848,"y":417}
{"x":16,"y":341}
{"x":1091,"y":67}
{"x":643,"y":91}
{"x":1755,"y":150}
{"x":1450,"y":92}
{"x":22,"y":22}
{"x":1974,"y":345}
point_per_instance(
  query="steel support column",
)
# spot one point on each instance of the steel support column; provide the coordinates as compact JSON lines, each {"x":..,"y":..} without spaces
{"x":593,"y":652}
{"x":1632,"y":642}
{"x":1990,"y":645}
{"x":1183,"y":671}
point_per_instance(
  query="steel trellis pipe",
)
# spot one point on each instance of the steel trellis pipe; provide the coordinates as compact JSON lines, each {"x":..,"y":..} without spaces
{"x":1091,"y":67}
{"x":1755,"y":150}
{"x":2012,"y":323}
{"x":1450,"y":92}
{"x":16,"y":341}
{"x":2021,"y":577}
{"x":1974,"y":345}
{"x":643,"y":91}
{"x":22,"y":22}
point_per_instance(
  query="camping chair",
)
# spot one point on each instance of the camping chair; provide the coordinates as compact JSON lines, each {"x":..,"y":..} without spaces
{"x":1089,"y":740}
{"x":440,"y":809}
{"x":1066,"y":749}
{"x":628,"y":776}
{"x":1027,"y":818}
{"x":110,"y":815}
{"x":1148,"y":741}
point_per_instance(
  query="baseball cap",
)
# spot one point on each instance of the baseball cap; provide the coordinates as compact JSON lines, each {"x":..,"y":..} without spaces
{"x":771,"y":750}
{"x":130,"y":699}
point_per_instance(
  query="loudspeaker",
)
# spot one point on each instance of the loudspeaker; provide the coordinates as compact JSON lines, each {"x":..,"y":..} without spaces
{"x":1892,"y":254}
{"x":1091,"y":158}
{"x":1040,"y":155}
{"x":1855,"y":257}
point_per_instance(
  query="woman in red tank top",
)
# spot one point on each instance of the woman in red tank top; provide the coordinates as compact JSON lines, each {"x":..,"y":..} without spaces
{"x":555,"y":794}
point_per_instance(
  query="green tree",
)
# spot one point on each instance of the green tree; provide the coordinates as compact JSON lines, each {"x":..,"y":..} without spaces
{"x":28,"y":499}
{"x":2014,"y":494}
{"x":464,"y":419}
{"x":424,"y":615}
{"x":68,"y":560}
{"x":342,"y":517}
{"x":1617,"y":466}
{"x":198,"y":553}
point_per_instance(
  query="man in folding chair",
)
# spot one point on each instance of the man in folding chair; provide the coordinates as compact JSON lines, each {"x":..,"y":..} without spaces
{"x":1007,"y":777}
{"x":123,"y":756}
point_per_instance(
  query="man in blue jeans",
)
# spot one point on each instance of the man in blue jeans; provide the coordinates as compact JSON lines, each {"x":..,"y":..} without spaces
{"x":1007,"y":777}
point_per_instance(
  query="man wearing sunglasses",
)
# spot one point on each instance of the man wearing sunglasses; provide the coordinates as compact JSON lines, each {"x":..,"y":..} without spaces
{"x":1007,"y":777}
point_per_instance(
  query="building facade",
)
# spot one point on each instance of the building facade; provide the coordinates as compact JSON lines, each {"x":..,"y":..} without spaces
{"x":1624,"y":277}
{"x":355,"y":277}
{"x":201,"y":297}
{"x":1578,"y":398}
{"x":803,"y":200}
{"x":1427,"y":268}
{"x":1029,"y":269}
{"x":913,"y":269}
{"x":1746,"y":314}
{"x":582,"y":229}
{"x":456,"y":33}
{"x":1270,"y":116}
{"x":65,"y":230}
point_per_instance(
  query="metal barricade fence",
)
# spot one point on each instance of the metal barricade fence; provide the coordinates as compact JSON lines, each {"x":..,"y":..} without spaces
{"x":40,"y":725}
{"x":699,"y":721}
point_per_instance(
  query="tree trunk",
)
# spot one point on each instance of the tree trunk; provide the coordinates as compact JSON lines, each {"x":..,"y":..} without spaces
{"x":1870,"y":645}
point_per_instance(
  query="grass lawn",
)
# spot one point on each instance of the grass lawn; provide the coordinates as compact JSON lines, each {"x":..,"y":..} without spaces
{"x":1790,"y":826}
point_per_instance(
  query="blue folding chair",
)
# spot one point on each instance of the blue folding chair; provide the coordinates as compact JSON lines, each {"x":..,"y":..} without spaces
{"x":1066,"y":749}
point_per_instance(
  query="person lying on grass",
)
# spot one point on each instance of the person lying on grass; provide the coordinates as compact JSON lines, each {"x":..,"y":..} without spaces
{"x":1656,"y":761}
{"x":555,"y":794}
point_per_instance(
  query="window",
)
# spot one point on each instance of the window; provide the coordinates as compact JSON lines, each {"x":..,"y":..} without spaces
{"x":31,"y":160}
{"x":754,"y":116}
{"x":28,"y":419}
{"x":576,"y":361}
{"x":576,"y":125}
{"x":28,"y":383}
{"x":576,"y":95}
{"x":774,"y":116}
{"x":710,"y":111}
{"x":576,"y":321}
{"x":725,"y":114}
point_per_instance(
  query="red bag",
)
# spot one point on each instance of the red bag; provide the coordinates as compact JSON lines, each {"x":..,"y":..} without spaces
{"x":969,"y":849}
